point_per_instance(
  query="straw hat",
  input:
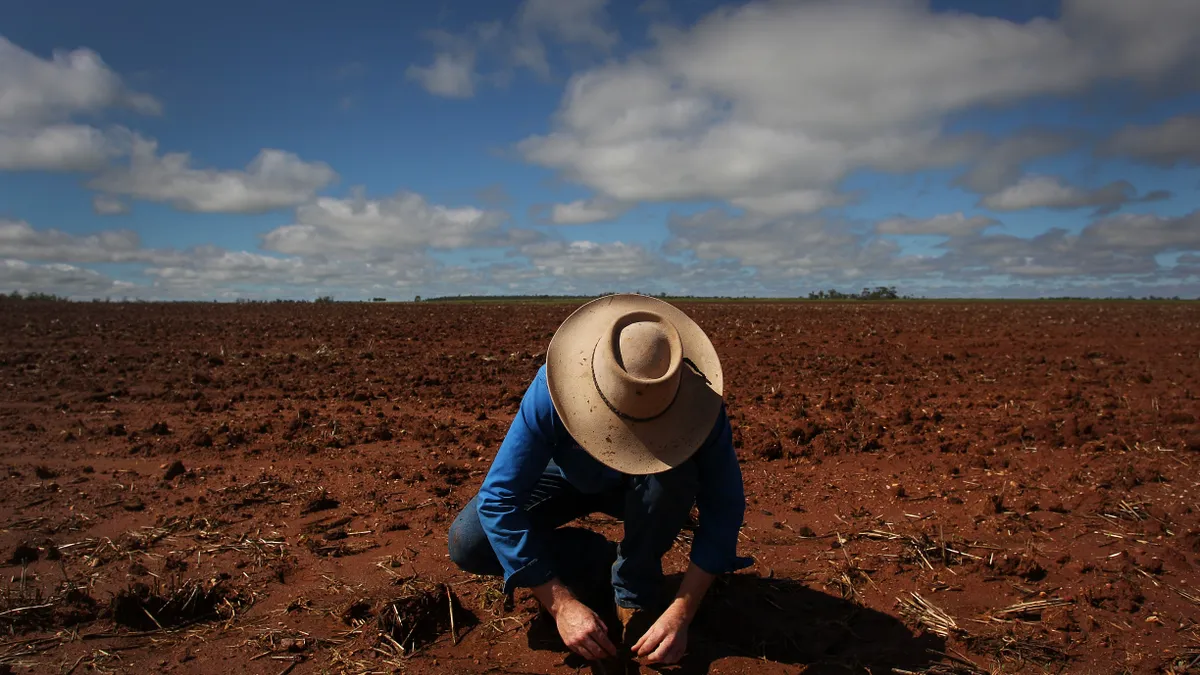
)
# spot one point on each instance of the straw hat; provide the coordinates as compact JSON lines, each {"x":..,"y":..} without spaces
{"x":636,"y":382}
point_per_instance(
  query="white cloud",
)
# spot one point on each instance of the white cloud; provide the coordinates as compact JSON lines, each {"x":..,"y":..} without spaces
{"x":273,"y":179}
{"x":999,"y":166}
{"x":404,"y":222}
{"x":1175,"y":141}
{"x":1187,"y":265}
{"x":1052,"y":193}
{"x":213,"y":272}
{"x":568,"y":22}
{"x":38,"y":98}
{"x":776,"y":98}
{"x":1143,"y":233}
{"x":785,"y":248}
{"x":19,"y":239}
{"x":59,"y":147}
{"x":715,"y":252}
{"x":580,"y":211}
{"x":451,"y":74}
{"x":582,"y":22}
{"x":108,"y":205}
{"x":596,"y":262}
{"x":794,"y":201}
{"x":520,"y":42}
{"x":37,"y":91}
{"x":796,"y":255}
{"x":1124,"y":244}
{"x":949,"y":225}
{"x":59,"y":279}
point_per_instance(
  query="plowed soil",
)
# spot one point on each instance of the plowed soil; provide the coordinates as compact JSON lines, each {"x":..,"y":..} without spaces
{"x":201,"y":488}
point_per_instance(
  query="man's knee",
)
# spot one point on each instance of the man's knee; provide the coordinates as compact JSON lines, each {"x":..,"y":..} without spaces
{"x":469,"y":547}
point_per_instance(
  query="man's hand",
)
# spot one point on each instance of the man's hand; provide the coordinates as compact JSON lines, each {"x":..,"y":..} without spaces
{"x":666,"y":641}
{"x":583,"y":632}
{"x":581,"y":628}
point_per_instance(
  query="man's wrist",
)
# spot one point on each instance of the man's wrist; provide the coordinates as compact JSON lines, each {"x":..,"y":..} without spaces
{"x":683,"y":609}
{"x":554,"y":595}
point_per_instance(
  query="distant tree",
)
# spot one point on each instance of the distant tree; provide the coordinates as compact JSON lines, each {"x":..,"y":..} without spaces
{"x":877,"y":293}
{"x":417,"y":299}
{"x":36,"y":296}
{"x":324,"y":299}
{"x":378,"y":299}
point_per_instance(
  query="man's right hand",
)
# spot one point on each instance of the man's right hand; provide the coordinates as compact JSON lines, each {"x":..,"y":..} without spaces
{"x":583,"y":631}
{"x":580,"y":627}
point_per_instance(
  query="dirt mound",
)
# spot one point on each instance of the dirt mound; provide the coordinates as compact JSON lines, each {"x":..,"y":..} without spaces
{"x":141,"y":607}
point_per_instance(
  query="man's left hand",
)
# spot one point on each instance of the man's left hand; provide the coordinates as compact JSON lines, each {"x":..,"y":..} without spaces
{"x":666,"y":641}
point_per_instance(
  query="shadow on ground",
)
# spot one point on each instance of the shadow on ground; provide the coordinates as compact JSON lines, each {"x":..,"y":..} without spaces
{"x":776,"y":620}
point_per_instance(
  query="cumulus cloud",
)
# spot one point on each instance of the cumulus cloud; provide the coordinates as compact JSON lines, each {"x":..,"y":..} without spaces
{"x":1187,"y":265}
{"x":568,"y":22}
{"x":108,"y":205}
{"x":403,"y":222}
{"x":451,"y":74}
{"x":19,"y":239}
{"x":519,"y":42}
{"x":787,"y":248}
{"x":593,"y":261}
{"x":776,"y":98}
{"x":40,"y":96}
{"x":999,"y":166}
{"x":273,"y":179}
{"x":38,"y":99}
{"x":949,"y":225}
{"x":60,"y":279}
{"x":209,"y":271}
{"x":794,"y":201}
{"x":714,"y":252}
{"x":1052,"y":193}
{"x":794,"y":255}
{"x":1175,"y":141}
{"x":1143,"y":233}
{"x":1124,"y":244}
{"x":580,"y":211}
{"x":59,"y":147}
{"x":36,"y":91}
{"x":215,"y":272}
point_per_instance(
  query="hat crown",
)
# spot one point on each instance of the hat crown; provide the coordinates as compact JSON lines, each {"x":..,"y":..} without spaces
{"x":645,"y":350}
{"x":636,"y":365}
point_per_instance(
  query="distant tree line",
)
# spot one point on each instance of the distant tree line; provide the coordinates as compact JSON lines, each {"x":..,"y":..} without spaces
{"x":35,"y":297}
{"x":877,"y":293}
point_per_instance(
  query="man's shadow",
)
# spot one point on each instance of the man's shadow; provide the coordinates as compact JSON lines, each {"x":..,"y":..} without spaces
{"x":778,"y":620}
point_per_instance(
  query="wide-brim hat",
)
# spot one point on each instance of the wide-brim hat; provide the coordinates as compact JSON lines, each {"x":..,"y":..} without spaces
{"x":635,"y":381}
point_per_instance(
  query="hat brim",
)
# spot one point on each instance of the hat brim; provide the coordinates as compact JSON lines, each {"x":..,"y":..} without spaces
{"x":632,"y":447}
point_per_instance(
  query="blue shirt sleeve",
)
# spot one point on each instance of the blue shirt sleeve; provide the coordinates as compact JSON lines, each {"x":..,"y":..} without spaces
{"x":721,"y":502}
{"x":520,"y":461}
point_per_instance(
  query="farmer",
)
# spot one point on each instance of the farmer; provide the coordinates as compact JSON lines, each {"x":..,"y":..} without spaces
{"x":625,"y":418}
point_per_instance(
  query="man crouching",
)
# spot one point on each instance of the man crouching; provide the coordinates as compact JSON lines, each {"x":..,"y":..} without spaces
{"x":625,"y":418}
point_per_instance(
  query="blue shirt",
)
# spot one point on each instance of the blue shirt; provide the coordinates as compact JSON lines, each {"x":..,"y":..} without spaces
{"x":537,"y":436}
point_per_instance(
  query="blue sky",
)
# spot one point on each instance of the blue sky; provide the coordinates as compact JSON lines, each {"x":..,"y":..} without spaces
{"x":235,"y":150}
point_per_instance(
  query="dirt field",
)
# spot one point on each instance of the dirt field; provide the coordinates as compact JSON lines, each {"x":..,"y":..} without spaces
{"x":267,"y":488}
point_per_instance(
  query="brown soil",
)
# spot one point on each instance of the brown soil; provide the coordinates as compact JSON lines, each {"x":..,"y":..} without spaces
{"x":201,"y":488}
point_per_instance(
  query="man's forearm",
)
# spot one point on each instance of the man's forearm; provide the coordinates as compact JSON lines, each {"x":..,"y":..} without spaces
{"x":691,"y":591}
{"x":553,"y":595}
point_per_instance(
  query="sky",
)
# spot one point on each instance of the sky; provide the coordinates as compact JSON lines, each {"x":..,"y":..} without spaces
{"x":261,"y":150}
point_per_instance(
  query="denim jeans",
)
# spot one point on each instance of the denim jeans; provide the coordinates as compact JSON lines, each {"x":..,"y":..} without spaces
{"x":654,"y":508}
